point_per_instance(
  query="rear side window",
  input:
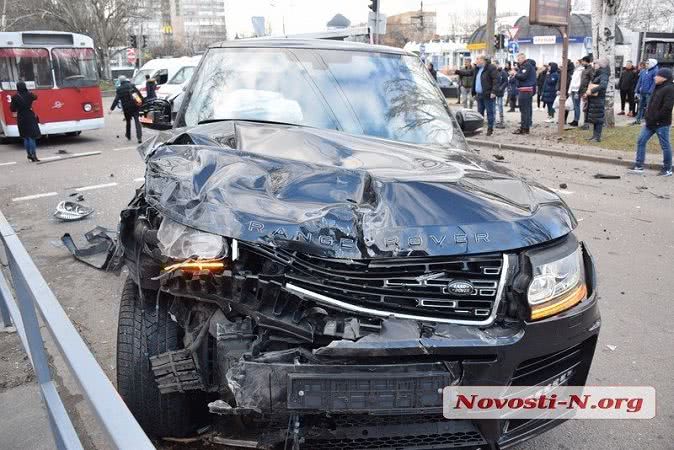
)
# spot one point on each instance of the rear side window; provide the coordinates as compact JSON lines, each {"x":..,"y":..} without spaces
{"x":28,"y":64}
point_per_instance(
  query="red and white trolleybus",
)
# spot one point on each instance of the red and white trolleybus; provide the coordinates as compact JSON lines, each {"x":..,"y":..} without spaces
{"x":60,"y":68}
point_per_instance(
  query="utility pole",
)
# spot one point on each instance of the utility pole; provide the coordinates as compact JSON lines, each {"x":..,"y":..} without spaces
{"x":491,"y":27}
{"x":564,"y":82}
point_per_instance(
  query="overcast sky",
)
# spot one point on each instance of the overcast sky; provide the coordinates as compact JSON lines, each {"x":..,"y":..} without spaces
{"x":305,"y":16}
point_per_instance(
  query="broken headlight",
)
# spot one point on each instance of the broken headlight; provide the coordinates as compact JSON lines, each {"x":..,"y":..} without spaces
{"x":180,"y":242}
{"x":558,"y":281}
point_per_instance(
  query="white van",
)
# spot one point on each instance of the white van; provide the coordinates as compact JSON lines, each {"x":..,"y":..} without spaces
{"x":175,"y":84}
{"x":161,"y":69}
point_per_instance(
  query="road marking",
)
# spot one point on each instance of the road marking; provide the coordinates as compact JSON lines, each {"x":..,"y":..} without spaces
{"x":94,"y":186}
{"x":31,"y":197}
{"x":123,"y":148}
{"x":139,"y":179}
{"x":8,"y":163}
{"x":49,"y":158}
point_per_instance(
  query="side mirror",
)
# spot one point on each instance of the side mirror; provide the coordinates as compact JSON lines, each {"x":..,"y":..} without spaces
{"x":470,"y":121}
{"x":156,"y":114}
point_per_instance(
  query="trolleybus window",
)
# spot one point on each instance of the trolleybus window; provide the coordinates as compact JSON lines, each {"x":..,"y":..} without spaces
{"x":75,"y":67}
{"x":28,"y":64}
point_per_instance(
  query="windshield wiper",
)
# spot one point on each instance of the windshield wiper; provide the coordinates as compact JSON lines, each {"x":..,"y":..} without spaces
{"x":201,"y":122}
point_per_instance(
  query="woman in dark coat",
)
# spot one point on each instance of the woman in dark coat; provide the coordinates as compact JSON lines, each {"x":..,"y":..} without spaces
{"x":29,"y":129}
{"x":596,"y":98}
{"x":550,"y":89}
{"x":540,"y":81}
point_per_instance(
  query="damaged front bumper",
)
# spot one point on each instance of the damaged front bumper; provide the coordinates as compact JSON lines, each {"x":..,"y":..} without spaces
{"x":376,"y":402}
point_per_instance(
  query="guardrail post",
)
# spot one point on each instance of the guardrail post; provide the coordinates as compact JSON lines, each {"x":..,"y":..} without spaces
{"x":5,"y":318}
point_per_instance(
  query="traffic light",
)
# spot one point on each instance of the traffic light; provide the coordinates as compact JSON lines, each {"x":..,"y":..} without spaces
{"x":144,"y":41}
{"x":133,"y":41}
{"x":499,"y":41}
{"x":374,"y":5}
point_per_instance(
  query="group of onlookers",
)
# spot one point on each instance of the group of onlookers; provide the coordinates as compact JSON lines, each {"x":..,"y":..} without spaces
{"x":647,"y":91}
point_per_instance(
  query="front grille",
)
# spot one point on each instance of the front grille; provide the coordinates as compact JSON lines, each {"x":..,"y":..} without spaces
{"x":414,"y":285}
{"x":425,"y":431}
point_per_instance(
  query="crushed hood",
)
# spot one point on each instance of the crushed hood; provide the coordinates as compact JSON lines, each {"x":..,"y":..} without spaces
{"x":334,"y":194}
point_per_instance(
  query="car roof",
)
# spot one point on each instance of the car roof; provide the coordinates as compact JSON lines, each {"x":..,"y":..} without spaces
{"x":320,"y":44}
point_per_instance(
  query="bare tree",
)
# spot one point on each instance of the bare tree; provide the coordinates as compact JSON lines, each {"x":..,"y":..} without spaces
{"x":105,"y":21}
{"x":604,"y":14}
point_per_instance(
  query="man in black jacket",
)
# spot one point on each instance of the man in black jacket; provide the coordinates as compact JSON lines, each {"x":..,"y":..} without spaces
{"x":658,"y":121}
{"x":485,"y":84}
{"x":585,"y":80}
{"x":627,"y":83}
{"x":129,"y":97}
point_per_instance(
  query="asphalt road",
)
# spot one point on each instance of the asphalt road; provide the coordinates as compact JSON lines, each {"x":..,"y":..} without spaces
{"x":627,"y":224}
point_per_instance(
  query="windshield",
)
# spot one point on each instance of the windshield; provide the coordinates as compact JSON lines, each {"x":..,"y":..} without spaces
{"x":139,"y":78}
{"x":75,"y":67}
{"x":182,"y":75}
{"x":377,"y":94}
{"x":28,"y":64}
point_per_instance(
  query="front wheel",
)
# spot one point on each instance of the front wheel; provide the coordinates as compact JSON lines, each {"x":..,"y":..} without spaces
{"x":145,"y":329}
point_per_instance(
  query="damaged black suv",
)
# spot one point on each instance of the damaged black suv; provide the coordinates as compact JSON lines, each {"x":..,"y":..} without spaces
{"x":316,"y":252}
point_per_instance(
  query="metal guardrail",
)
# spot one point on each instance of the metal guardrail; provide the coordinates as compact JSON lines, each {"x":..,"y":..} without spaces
{"x":32,"y":292}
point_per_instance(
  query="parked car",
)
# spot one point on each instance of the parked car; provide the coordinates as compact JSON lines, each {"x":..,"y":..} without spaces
{"x":161,"y":70}
{"x":449,"y":87}
{"x":317,"y":252}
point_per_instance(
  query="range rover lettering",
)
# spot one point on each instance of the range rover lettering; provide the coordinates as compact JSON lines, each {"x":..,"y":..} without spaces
{"x":316,"y":253}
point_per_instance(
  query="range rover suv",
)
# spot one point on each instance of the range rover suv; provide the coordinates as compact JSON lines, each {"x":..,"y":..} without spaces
{"x":316,"y":253}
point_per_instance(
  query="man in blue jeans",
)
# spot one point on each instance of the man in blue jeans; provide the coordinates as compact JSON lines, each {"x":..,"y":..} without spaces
{"x":484,"y":88}
{"x":658,"y":121}
{"x":645,"y":87}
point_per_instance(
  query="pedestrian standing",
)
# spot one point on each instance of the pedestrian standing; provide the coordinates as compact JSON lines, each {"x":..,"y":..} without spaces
{"x":627,"y":85}
{"x":596,"y":98}
{"x":585,"y":79}
{"x":550,"y":89}
{"x":574,"y":87}
{"x":512,"y":90}
{"x":150,"y":88}
{"x":484,"y":84}
{"x":540,"y":82}
{"x":500,"y":91}
{"x":431,"y":69}
{"x":466,"y":76}
{"x":526,"y":88}
{"x":131,"y":100}
{"x":658,"y":119}
{"x":645,"y":87}
{"x":26,"y":120}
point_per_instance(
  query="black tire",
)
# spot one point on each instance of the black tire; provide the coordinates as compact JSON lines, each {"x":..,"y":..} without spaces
{"x":73,"y":133}
{"x":145,"y":331}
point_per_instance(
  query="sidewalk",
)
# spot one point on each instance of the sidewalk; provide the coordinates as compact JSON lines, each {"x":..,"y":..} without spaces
{"x":545,"y":140}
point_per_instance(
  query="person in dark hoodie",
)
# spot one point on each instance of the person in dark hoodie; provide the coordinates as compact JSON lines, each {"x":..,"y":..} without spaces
{"x":596,"y":98}
{"x":512,"y":90}
{"x":129,"y":97}
{"x":627,"y":84}
{"x":658,"y":121}
{"x":500,"y":91}
{"x":27,"y":121}
{"x":484,"y":85}
{"x":526,"y":88}
{"x":540,"y":82}
{"x":550,"y":89}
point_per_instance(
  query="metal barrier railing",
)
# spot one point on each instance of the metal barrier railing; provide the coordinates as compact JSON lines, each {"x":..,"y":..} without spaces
{"x":31,"y":292}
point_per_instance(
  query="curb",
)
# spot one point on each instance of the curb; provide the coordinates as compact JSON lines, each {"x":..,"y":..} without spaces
{"x":561,"y":154}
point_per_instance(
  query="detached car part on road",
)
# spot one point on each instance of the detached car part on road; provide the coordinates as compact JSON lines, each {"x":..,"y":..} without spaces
{"x":316,"y":253}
